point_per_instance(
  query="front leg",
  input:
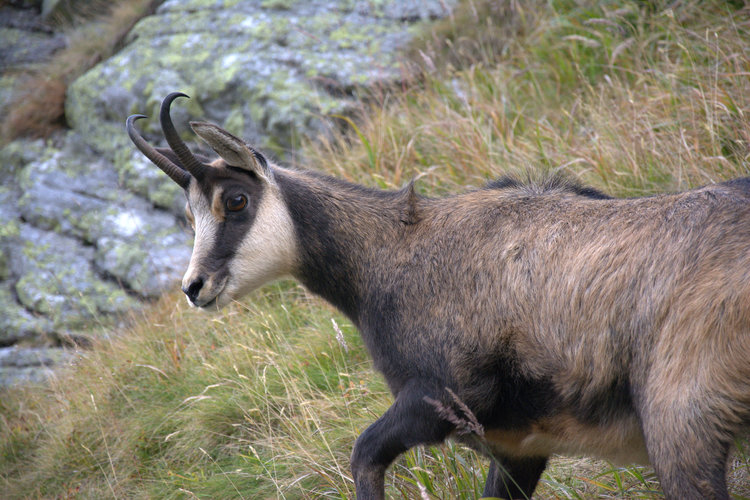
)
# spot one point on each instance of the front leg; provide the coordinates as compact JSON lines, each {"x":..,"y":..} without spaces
{"x":513,"y":478}
{"x":409,"y":422}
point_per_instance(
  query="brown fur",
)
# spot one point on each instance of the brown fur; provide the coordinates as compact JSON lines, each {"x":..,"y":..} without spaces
{"x":560,"y":320}
{"x":654,"y":291}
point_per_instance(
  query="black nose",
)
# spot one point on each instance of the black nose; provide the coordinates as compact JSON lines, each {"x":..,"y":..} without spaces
{"x":193,"y":289}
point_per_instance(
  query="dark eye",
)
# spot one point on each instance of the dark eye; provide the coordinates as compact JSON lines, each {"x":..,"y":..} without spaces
{"x":236,"y":203}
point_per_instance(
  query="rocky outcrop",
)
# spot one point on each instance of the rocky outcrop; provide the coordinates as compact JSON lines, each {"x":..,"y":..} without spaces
{"x":89,"y":227}
{"x":26,"y":364}
{"x":26,"y":42}
{"x":266,"y":70}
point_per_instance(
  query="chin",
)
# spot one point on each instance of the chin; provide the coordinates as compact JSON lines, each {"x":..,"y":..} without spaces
{"x":212,"y":305}
{"x":227,"y":295}
{"x":219,"y":302}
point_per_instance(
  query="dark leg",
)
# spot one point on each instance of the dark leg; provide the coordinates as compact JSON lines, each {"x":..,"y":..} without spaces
{"x":410,"y":421}
{"x":514,"y":478}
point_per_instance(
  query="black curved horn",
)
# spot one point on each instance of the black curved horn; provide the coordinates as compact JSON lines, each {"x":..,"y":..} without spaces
{"x":174,"y":172}
{"x":188,"y":160}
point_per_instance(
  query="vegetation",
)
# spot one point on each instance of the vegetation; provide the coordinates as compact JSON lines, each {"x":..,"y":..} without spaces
{"x":265,"y":399}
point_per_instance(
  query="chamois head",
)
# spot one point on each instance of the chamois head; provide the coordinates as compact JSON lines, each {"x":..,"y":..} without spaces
{"x":243,"y":234}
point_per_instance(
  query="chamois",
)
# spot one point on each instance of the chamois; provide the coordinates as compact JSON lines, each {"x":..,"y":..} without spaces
{"x":554,"y":318}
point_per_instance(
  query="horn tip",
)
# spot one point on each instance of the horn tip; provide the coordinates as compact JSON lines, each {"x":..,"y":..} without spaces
{"x":133,"y":118}
{"x":174,"y":95}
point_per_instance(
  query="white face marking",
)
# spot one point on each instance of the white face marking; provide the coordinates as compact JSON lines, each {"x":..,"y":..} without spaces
{"x":267,"y":251}
{"x":205,"y":225}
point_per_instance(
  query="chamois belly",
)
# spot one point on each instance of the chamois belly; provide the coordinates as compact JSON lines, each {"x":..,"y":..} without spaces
{"x":620,"y":442}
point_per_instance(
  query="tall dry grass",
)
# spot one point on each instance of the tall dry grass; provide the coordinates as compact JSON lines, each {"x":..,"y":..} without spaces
{"x":266,"y":399}
{"x":631,"y":101}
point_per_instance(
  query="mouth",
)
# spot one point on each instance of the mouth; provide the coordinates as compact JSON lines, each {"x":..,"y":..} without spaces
{"x":210,"y":302}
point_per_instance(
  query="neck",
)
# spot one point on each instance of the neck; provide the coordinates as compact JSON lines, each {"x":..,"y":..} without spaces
{"x":340,"y":227}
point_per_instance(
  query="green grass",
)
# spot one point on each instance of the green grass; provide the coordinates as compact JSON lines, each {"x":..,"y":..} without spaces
{"x":266,"y":399}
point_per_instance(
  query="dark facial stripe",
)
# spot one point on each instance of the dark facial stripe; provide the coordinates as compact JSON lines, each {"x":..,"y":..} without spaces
{"x":233,"y":226}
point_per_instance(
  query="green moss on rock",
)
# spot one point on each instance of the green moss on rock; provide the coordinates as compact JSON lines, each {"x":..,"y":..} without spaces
{"x":277,"y":4}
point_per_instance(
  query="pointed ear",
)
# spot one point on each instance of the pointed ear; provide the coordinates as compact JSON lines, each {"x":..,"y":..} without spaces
{"x":233,"y":150}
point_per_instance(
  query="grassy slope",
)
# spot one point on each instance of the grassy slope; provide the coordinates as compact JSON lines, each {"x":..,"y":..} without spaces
{"x":266,"y":399}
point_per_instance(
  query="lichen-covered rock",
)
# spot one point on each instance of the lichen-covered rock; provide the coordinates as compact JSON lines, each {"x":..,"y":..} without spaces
{"x":57,"y":279}
{"x":15,"y":156}
{"x":17,"y":323}
{"x":25,"y":38}
{"x":4,"y":266}
{"x":25,"y":43}
{"x":26,"y":364}
{"x":137,"y":174}
{"x":149,"y":264}
{"x":9,"y":230}
{"x":24,"y":49}
{"x":77,"y":195}
{"x":263,"y":70}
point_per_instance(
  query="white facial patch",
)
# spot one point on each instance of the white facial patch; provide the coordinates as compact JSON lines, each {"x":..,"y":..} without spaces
{"x":268,"y":251}
{"x":206,"y":225}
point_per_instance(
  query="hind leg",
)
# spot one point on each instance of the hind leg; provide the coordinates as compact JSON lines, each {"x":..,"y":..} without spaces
{"x":513,"y":478}
{"x":702,"y":475}
{"x":688,"y":451}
